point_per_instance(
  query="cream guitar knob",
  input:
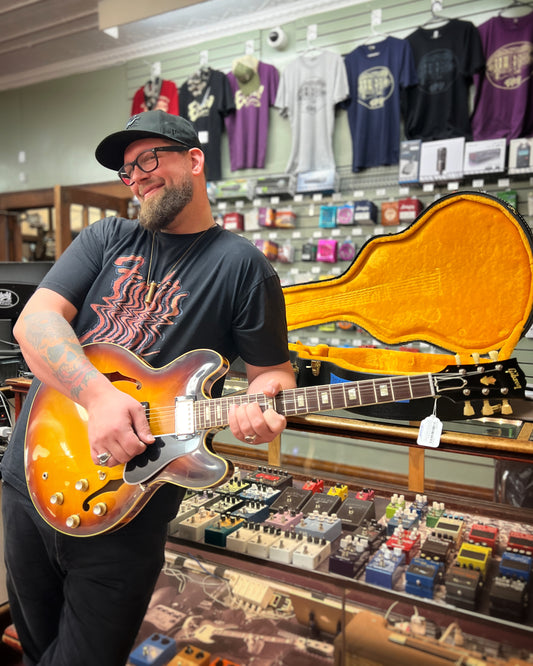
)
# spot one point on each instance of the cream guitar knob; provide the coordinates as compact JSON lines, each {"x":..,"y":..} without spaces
{"x":82,"y":484}
{"x":73,"y":521}
{"x":57,"y":498}
{"x":100,"y":509}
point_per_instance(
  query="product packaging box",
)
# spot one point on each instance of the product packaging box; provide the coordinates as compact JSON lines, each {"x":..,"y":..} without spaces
{"x":327,"y":218}
{"x":234,"y":221}
{"x":324,"y":180}
{"x":266,"y":216}
{"x":409,"y":209}
{"x":345,"y":213}
{"x":327,"y":250}
{"x":365,"y":211}
{"x":409,"y":161}
{"x":390,"y":214}
{"x":281,"y":185}
{"x":520,"y":156}
{"x":285,"y":218}
{"x":238,"y":188}
{"x":484,"y":156}
{"x":442,"y":160}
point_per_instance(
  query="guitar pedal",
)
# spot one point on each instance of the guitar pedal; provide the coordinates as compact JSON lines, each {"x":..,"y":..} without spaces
{"x":156,"y":650}
{"x":191,"y":656}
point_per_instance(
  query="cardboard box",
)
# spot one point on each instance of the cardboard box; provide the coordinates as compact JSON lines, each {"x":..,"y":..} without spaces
{"x":485,"y":156}
{"x":442,"y":160}
{"x":409,"y":161}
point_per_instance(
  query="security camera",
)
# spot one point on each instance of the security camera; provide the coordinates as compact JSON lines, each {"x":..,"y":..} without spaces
{"x":277,"y":38}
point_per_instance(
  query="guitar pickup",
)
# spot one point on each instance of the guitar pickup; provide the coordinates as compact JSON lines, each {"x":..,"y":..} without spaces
{"x":184,"y":417}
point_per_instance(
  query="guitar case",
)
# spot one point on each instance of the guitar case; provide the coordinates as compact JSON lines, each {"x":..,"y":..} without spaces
{"x":460,"y":277}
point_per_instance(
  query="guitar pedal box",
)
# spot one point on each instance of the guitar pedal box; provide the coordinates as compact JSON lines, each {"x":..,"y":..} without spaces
{"x":474,"y":556}
{"x":260,"y":492}
{"x":191,"y":656}
{"x":396,"y":502}
{"x":450,"y":527}
{"x":509,"y":598}
{"x":259,"y":545}
{"x":314,"y":485}
{"x":385,"y":568}
{"x":283,"y":548}
{"x":234,"y":486}
{"x":270,"y":476}
{"x":340,"y":490}
{"x":236,"y":541}
{"x":321,"y":503}
{"x":406,"y":518}
{"x":217,"y":534}
{"x":291,"y":499}
{"x":193,"y":528}
{"x":408,"y":541}
{"x":421,"y":577}
{"x":285,"y":520}
{"x":434,"y":513}
{"x":218,"y":661}
{"x":311,"y":553}
{"x":484,"y":535}
{"x":516,"y":565}
{"x":463,"y":587}
{"x":253,"y":512}
{"x":320,"y":525}
{"x":157,"y":650}
{"x":520,"y":542}
{"x":227,"y":504}
{"x":354,"y":511}
{"x":351,"y":557}
{"x":436,"y":549}
{"x":373,"y":531}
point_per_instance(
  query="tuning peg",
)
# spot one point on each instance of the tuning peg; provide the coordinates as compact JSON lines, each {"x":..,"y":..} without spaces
{"x":457,"y":359}
{"x":487,"y":410}
{"x":493,"y":355}
{"x":468,"y":410}
{"x":506,"y":407}
{"x":475,"y":357}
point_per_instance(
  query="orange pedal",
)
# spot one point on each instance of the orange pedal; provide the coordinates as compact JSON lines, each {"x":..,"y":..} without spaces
{"x":191,"y":656}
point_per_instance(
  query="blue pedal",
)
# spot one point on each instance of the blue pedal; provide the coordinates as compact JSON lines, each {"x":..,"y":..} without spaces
{"x":516,"y":565}
{"x":422,"y":576}
{"x":156,"y":650}
{"x":385,"y":568}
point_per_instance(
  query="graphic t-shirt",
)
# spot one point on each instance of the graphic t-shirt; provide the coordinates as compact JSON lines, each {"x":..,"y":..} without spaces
{"x":205,"y":98}
{"x":376,"y":75}
{"x":309,"y":89}
{"x":247,"y":127}
{"x":503,"y":106}
{"x":156,"y":95}
{"x":446,"y":59}
{"x":224,"y":295}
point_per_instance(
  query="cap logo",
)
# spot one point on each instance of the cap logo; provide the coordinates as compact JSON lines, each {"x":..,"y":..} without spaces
{"x":132,"y":121}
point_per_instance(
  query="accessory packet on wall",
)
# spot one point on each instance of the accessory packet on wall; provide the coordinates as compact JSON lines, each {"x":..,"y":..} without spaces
{"x":446,"y":59}
{"x":485,"y":156}
{"x":502,"y":105}
{"x":377,"y":73}
{"x":441,"y":160}
{"x":409,"y":161}
{"x":520,"y":156}
{"x":309,"y":88}
{"x":156,"y":94}
{"x":254,"y":85}
{"x":205,"y":99}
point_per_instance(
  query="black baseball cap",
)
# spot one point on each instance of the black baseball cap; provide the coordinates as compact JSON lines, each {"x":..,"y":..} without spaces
{"x":110,"y":151}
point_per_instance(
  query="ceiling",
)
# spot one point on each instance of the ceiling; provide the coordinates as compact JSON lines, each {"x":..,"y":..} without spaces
{"x":46,"y":39}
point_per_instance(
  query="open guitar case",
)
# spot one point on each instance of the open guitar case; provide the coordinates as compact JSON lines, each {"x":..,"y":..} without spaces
{"x":460,"y":278}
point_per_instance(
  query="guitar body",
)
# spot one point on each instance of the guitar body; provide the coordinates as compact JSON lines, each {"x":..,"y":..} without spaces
{"x":77,"y":497}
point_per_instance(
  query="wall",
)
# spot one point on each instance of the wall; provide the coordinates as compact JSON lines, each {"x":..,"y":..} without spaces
{"x":59,"y":123}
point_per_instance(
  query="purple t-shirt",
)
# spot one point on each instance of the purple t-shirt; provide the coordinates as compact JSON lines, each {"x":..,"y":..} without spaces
{"x":504,"y":92}
{"x":247,"y":127}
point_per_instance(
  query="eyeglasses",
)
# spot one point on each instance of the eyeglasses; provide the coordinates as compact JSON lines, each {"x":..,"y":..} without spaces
{"x":146,"y":161}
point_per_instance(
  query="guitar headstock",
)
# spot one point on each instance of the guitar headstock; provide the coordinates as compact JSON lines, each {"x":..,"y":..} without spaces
{"x":482,"y":381}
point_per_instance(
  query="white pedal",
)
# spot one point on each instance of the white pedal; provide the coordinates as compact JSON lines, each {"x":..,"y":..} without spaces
{"x":311,"y":553}
{"x":238,"y":540}
{"x":193,"y":527}
{"x":259,"y":544}
{"x":283,"y":548}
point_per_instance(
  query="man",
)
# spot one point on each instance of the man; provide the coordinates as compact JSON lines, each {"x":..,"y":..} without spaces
{"x":169,"y":283}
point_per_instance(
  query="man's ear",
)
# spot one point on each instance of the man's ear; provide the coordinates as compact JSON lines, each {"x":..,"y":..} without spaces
{"x":197,"y":160}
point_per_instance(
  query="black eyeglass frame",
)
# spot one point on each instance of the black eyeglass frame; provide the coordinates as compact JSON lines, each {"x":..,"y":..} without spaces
{"x":128,"y":180}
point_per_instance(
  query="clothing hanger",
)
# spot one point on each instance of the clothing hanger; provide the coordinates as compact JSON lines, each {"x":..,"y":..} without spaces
{"x":436,"y":20}
{"x":375,"y":35}
{"x":516,"y":4}
{"x":311,"y":51}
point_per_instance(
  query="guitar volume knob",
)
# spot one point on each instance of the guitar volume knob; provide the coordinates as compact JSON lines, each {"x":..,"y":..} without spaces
{"x":82,"y":484}
{"x":57,"y":498}
{"x":73,"y":521}
{"x":100,"y":509}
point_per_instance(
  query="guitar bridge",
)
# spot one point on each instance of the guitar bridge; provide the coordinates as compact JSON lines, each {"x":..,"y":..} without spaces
{"x":184,"y":417}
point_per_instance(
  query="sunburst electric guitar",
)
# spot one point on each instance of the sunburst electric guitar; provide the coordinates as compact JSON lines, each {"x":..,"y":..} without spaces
{"x":79,"y":498}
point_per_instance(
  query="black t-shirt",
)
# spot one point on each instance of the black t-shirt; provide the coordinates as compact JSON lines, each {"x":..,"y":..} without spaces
{"x":205,"y":99}
{"x":446,"y":59}
{"x":223,"y":294}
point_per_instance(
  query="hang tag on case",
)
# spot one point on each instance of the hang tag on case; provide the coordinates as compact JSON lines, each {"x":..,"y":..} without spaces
{"x":430,"y":432}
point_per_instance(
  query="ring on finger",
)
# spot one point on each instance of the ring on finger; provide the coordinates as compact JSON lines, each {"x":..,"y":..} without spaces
{"x":250,"y":439}
{"x":103,"y":458}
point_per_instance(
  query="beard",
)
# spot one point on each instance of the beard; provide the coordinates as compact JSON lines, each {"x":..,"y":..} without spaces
{"x":158,"y":212}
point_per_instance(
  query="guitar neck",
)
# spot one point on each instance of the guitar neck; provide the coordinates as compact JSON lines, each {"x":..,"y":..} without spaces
{"x":311,"y":399}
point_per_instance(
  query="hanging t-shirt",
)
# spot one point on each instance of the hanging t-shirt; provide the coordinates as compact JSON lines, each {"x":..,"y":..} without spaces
{"x":446,"y":59}
{"x":309,"y":89}
{"x":248,"y":126}
{"x":158,"y":94}
{"x":205,"y":98}
{"x":504,"y":90}
{"x":376,"y":75}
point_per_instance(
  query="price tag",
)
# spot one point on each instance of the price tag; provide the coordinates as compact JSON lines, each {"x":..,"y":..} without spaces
{"x":478,"y":182}
{"x":239,"y":204}
{"x":274,"y":200}
{"x":428,"y":187}
{"x":222,"y":205}
{"x":317,"y":196}
{"x":296,"y":234}
{"x":298,"y":198}
{"x":359,"y":194}
{"x":256,"y":202}
{"x":381,"y":192}
{"x":317,"y":234}
{"x":430,"y":432}
{"x":453,"y":186}
{"x":403,"y":191}
{"x":504,"y":182}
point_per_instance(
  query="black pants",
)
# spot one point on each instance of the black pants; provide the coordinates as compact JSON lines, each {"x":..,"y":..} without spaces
{"x":81,"y":601}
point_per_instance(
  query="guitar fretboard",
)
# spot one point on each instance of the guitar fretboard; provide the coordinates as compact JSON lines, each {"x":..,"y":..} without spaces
{"x":311,"y":399}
